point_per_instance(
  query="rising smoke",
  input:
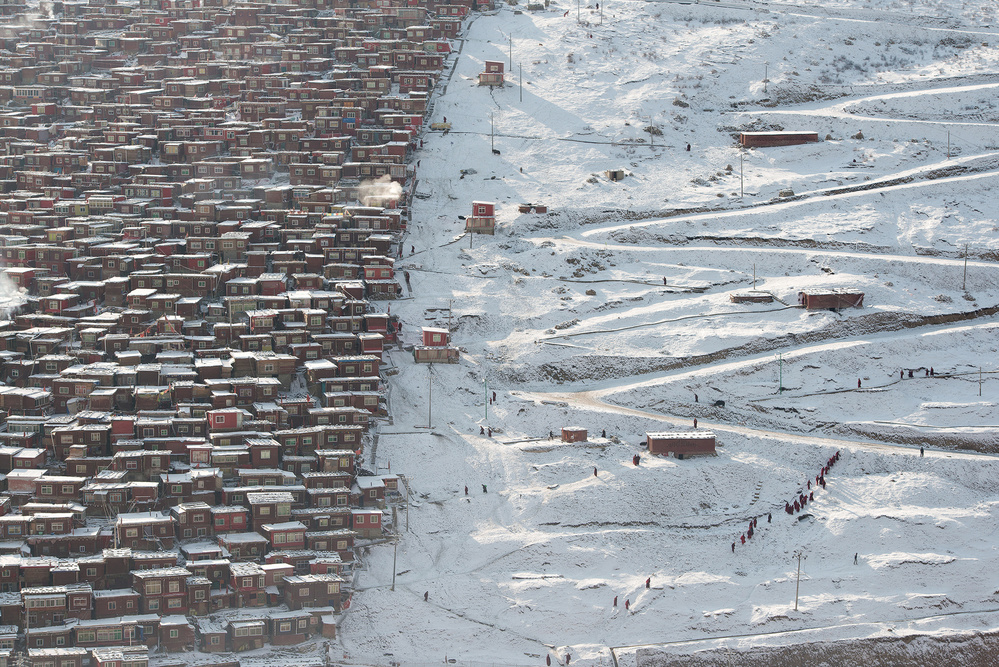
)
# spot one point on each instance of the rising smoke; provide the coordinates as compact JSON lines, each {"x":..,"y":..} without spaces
{"x":382,"y":191}
{"x":12,"y":297}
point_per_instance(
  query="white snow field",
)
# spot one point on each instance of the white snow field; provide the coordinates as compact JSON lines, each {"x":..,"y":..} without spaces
{"x":613,"y":310}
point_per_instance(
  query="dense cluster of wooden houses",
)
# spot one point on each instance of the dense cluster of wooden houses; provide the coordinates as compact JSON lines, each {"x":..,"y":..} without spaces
{"x":193,"y":365}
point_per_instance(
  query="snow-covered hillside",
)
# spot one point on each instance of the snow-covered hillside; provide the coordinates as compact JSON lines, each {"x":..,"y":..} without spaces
{"x":613,"y":311}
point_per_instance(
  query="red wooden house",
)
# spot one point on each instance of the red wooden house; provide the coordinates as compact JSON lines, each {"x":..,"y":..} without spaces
{"x":247,"y":580}
{"x":144,"y":530}
{"x":285,"y":535}
{"x":483,"y":218}
{"x":163,"y":590}
{"x":435,"y":348}
{"x":818,"y":299}
{"x":176,"y":634}
{"x":367,"y":522}
{"x":493,"y":73}
{"x":681,"y":444}
{"x":193,"y":520}
{"x":777,"y":138}
{"x":312,"y":590}
{"x":247,"y":635}
{"x":291,"y":627}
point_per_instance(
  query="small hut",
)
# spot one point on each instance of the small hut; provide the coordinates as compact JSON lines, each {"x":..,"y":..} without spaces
{"x":681,"y":444}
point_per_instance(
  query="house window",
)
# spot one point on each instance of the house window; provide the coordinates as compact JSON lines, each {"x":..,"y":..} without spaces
{"x":154,"y":588}
{"x":174,"y":634}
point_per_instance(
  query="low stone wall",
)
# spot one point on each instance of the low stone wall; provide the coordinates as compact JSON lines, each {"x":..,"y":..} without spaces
{"x":913,"y":650}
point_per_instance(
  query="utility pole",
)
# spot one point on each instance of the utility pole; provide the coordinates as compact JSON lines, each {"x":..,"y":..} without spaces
{"x":948,"y":144}
{"x":395,"y":550}
{"x":780,"y":373}
{"x":492,"y":131}
{"x":979,"y":380}
{"x":766,"y":72}
{"x":430,"y":396}
{"x":742,"y":175}
{"x":964,"y":283}
{"x":799,"y":554}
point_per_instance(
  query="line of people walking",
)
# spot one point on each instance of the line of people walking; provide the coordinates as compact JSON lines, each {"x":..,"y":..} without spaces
{"x":805,"y":495}
{"x":751,"y":531}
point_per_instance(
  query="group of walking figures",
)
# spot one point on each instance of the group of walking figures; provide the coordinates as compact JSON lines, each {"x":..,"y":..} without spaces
{"x":808,"y":495}
{"x":792,"y":507}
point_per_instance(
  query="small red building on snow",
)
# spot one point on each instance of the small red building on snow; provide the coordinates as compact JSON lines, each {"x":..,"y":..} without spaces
{"x":831,"y":298}
{"x":436,"y":348}
{"x":493,"y":74}
{"x":765,"y":139}
{"x":681,"y":443}
{"x":436,"y":337}
{"x":573,"y":434}
{"x":483,"y":218}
